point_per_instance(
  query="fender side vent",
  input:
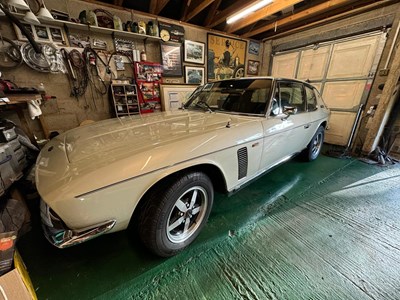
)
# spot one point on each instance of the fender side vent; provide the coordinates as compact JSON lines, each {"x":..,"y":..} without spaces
{"x":242,"y":162}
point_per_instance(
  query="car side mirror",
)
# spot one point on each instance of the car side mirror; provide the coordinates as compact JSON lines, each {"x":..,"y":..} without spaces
{"x":288,"y":111}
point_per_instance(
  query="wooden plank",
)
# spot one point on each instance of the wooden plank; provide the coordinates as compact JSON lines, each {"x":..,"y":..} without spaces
{"x":197,"y":7}
{"x":323,"y":7}
{"x":268,"y":10}
{"x":212,"y":12}
{"x":221,"y":17}
{"x":385,"y":105}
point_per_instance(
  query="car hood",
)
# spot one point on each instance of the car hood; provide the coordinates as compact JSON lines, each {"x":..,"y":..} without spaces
{"x":117,"y":138}
{"x":114,"y":150}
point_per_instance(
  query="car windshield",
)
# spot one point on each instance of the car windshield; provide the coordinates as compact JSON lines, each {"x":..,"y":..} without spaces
{"x":243,"y":96}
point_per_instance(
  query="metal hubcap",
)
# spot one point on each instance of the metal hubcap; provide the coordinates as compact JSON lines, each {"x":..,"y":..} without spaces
{"x":187,"y":214}
{"x":316,"y":144}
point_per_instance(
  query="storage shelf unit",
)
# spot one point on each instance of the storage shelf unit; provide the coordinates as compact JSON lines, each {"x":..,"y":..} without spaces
{"x":125,"y":99}
{"x":85,"y":27}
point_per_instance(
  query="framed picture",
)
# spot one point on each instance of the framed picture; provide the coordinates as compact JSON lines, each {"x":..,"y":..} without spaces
{"x":171,"y":54}
{"x":253,"y":66}
{"x":226,"y":57}
{"x":194,"y":52}
{"x":56,"y":34}
{"x":173,"y":96}
{"x":254,"y":47}
{"x":43,"y":33}
{"x":194,"y":75}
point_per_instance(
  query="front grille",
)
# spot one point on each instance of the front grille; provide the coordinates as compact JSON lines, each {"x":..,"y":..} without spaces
{"x":242,"y":162}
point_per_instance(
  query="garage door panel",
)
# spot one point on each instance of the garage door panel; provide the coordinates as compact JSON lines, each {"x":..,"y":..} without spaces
{"x":318,"y":86}
{"x":343,"y":94}
{"x":313,"y":63}
{"x":353,"y":58}
{"x":340,"y":125}
{"x":285,"y":65}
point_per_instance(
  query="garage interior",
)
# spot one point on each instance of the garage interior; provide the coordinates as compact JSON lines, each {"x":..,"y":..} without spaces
{"x":326,"y":229}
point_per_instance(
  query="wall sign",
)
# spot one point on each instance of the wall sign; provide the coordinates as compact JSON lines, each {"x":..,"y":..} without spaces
{"x":171,"y":32}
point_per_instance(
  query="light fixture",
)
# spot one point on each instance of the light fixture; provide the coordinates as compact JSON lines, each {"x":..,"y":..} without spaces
{"x":245,"y":12}
{"x":44,"y":13}
{"x":20,"y":4}
{"x":31,"y":18}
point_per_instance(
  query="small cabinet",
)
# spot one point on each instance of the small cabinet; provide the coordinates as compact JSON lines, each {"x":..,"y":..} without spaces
{"x":125,"y":99}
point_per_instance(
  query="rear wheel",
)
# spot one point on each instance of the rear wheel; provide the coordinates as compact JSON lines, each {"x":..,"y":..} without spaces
{"x":175,"y":212}
{"x":314,"y":147}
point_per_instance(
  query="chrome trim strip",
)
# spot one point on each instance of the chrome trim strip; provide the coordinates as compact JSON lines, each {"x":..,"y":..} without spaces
{"x":262,"y":172}
{"x":64,"y":238}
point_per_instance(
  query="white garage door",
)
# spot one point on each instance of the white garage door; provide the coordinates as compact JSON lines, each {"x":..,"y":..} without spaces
{"x":342,"y":71}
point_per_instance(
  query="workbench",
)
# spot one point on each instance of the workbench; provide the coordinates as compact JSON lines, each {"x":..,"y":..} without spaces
{"x":17,"y":103}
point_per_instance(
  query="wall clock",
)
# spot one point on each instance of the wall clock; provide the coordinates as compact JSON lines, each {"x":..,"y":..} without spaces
{"x":165,"y":35}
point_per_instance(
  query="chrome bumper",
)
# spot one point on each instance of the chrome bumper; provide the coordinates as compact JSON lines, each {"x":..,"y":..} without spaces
{"x":60,"y":236}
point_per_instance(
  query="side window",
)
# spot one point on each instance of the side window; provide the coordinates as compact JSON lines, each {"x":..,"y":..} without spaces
{"x":311,"y":99}
{"x":291,"y":94}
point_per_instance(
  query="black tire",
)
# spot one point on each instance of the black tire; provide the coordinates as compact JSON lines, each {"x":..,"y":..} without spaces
{"x":314,"y":147}
{"x":174,"y":213}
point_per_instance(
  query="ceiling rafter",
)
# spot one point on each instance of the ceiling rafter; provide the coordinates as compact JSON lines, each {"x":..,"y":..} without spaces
{"x":221,"y":16}
{"x":268,"y":10}
{"x":195,"y":8}
{"x":160,"y":6}
{"x":185,"y":9}
{"x":212,"y":12}
{"x":153,"y":6}
{"x":118,"y":2}
{"x":320,"y":8}
{"x":347,"y":12}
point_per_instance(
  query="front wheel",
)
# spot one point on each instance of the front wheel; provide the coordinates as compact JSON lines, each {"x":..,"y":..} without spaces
{"x":175,"y":212}
{"x":314,"y":147}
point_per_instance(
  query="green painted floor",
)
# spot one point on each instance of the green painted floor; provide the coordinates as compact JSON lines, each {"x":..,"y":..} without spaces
{"x":329,"y":229}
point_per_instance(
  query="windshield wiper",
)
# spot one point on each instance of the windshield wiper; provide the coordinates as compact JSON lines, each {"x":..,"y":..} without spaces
{"x":206,"y":106}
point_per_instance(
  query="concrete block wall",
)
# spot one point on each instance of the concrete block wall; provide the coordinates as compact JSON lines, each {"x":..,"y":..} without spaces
{"x":66,"y":112}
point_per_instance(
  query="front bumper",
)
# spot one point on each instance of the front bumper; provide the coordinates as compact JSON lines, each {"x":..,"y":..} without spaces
{"x":59,"y":235}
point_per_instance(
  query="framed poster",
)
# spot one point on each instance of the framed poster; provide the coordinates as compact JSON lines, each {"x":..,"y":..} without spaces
{"x":254,"y":47}
{"x":171,"y":54}
{"x":194,"y":75}
{"x":253,"y":67}
{"x":173,"y":96}
{"x":194,"y":52}
{"x":226,"y":57}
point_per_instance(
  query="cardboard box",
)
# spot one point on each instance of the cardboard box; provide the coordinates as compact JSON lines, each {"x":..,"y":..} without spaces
{"x":16,"y":284}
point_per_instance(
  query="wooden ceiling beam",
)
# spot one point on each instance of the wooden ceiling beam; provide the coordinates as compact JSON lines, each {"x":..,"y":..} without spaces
{"x":221,"y":16}
{"x":118,"y":2}
{"x":212,"y":12}
{"x":195,"y":8}
{"x":153,"y":6}
{"x":160,"y":6}
{"x":185,"y":9}
{"x":268,"y":10}
{"x":317,"y":9}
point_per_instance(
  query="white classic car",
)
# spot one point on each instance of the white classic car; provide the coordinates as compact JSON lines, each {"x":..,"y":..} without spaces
{"x":160,"y":170}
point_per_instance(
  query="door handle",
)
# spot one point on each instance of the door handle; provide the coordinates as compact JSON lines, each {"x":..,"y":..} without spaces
{"x":307,"y":126}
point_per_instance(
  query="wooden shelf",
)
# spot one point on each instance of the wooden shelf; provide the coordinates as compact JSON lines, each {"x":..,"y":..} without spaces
{"x":84,"y":27}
